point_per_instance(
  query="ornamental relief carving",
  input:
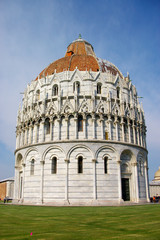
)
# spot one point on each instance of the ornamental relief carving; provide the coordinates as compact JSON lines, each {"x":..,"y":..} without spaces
{"x":51,"y":110}
{"x":84,"y":107}
{"x":101,"y":108}
{"x":35,"y":112}
{"x":67,"y":107}
{"x":116,"y":110}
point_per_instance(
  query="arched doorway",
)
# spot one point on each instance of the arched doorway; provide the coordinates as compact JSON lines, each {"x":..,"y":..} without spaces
{"x":126,"y":174}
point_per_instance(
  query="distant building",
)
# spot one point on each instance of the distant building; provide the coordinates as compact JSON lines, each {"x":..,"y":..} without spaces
{"x":154,"y":185}
{"x":6,"y":188}
{"x":81,"y":134}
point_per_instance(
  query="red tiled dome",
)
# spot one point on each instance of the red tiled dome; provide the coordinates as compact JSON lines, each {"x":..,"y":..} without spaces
{"x":79,"y":54}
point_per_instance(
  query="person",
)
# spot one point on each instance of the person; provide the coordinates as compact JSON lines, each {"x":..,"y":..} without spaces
{"x":154,"y":199}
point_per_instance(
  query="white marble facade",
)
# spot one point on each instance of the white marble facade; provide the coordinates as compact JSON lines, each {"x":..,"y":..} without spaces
{"x":81,"y":139}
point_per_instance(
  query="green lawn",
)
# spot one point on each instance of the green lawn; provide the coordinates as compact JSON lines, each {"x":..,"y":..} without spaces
{"x":128,"y":222}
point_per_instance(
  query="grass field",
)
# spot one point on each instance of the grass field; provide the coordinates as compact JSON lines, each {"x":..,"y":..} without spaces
{"x":35,"y":222}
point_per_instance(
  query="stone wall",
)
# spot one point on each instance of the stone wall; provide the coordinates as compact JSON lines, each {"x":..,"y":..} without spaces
{"x":3,"y":188}
{"x":93,"y":184}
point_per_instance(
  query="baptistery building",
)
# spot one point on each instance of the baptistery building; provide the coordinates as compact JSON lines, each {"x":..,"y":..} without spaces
{"x":81,"y":134}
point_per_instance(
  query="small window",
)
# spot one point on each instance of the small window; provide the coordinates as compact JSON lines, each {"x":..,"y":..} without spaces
{"x":106,"y":165}
{"x":80,"y":164}
{"x":125,"y":128}
{"x":76,"y":87}
{"x":47,"y":126}
{"x":106,"y":135}
{"x":99,"y":86}
{"x":70,"y":53}
{"x":118,"y":92}
{"x":80,"y":123}
{"x":54,"y":165}
{"x":37,"y":95}
{"x":55,"y":90}
{"x":32,"y":167}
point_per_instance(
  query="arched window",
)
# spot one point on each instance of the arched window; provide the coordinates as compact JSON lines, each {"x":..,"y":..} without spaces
{"x":76,"y":87}
{"x":99,"y":88}
{"x":38,"y":95}
{"x":54,"y":165}
{"x":55,"y":90}
{"x":70,"y":53}
{"x":80,"y":164}
{"x":47,"y":126}
{"x":80,"y":123}
{"x":32,"y":167}
{"x":105,"y":165}
{"x":118,"y":92}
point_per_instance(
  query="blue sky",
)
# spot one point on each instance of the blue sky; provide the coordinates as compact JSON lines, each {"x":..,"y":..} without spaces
{"x":35,"y":33}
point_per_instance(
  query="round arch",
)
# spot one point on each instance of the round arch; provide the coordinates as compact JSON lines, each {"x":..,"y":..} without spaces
{"x":104,"y":147}
{"x":50,"y":148}
{"x":106,"y":155}
{"x":19,"y":160}
{"x":28,"y":151}
{"x":129,"y":153}
{"x":79,"y":146}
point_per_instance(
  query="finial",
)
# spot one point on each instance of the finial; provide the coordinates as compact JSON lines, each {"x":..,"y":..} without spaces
{"x":80,"y":36}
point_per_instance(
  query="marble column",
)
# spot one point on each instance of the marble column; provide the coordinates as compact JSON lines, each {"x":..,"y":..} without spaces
{"x":30,"y":133}
{"x":67,"y":125}
{"x":16,"y":184}
{"x":42,"y":180}
{"x":76,"y":127}
{"x":35,"y":132}
{"x":102,"y":127}
{"x":51,"y":129}
{"x":66,"y":181}
{"x":146,"y":182}
{"x":43,"y":130}
{"x":138,"y":142}
{"x":59,"y":127}
{"x":116,"y":126}
{"x":136,"y":194}
{"x":94,"y":180}
{"x":27,"y":135}
{"x":23,"y":166}
{"x":134,"y":132}
{"x":94,"y":127}
{"x":119,"y":181}
{"x":122,"y":125}
{"x":129,"y":130}
{"x":110,"y":127}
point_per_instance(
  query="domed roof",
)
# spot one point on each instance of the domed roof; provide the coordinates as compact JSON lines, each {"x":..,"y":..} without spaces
{"x":157,"y":175}
{"x":80,"y":54}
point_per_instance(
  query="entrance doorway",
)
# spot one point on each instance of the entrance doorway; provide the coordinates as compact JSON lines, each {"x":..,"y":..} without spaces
{"x":125,"y":189}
